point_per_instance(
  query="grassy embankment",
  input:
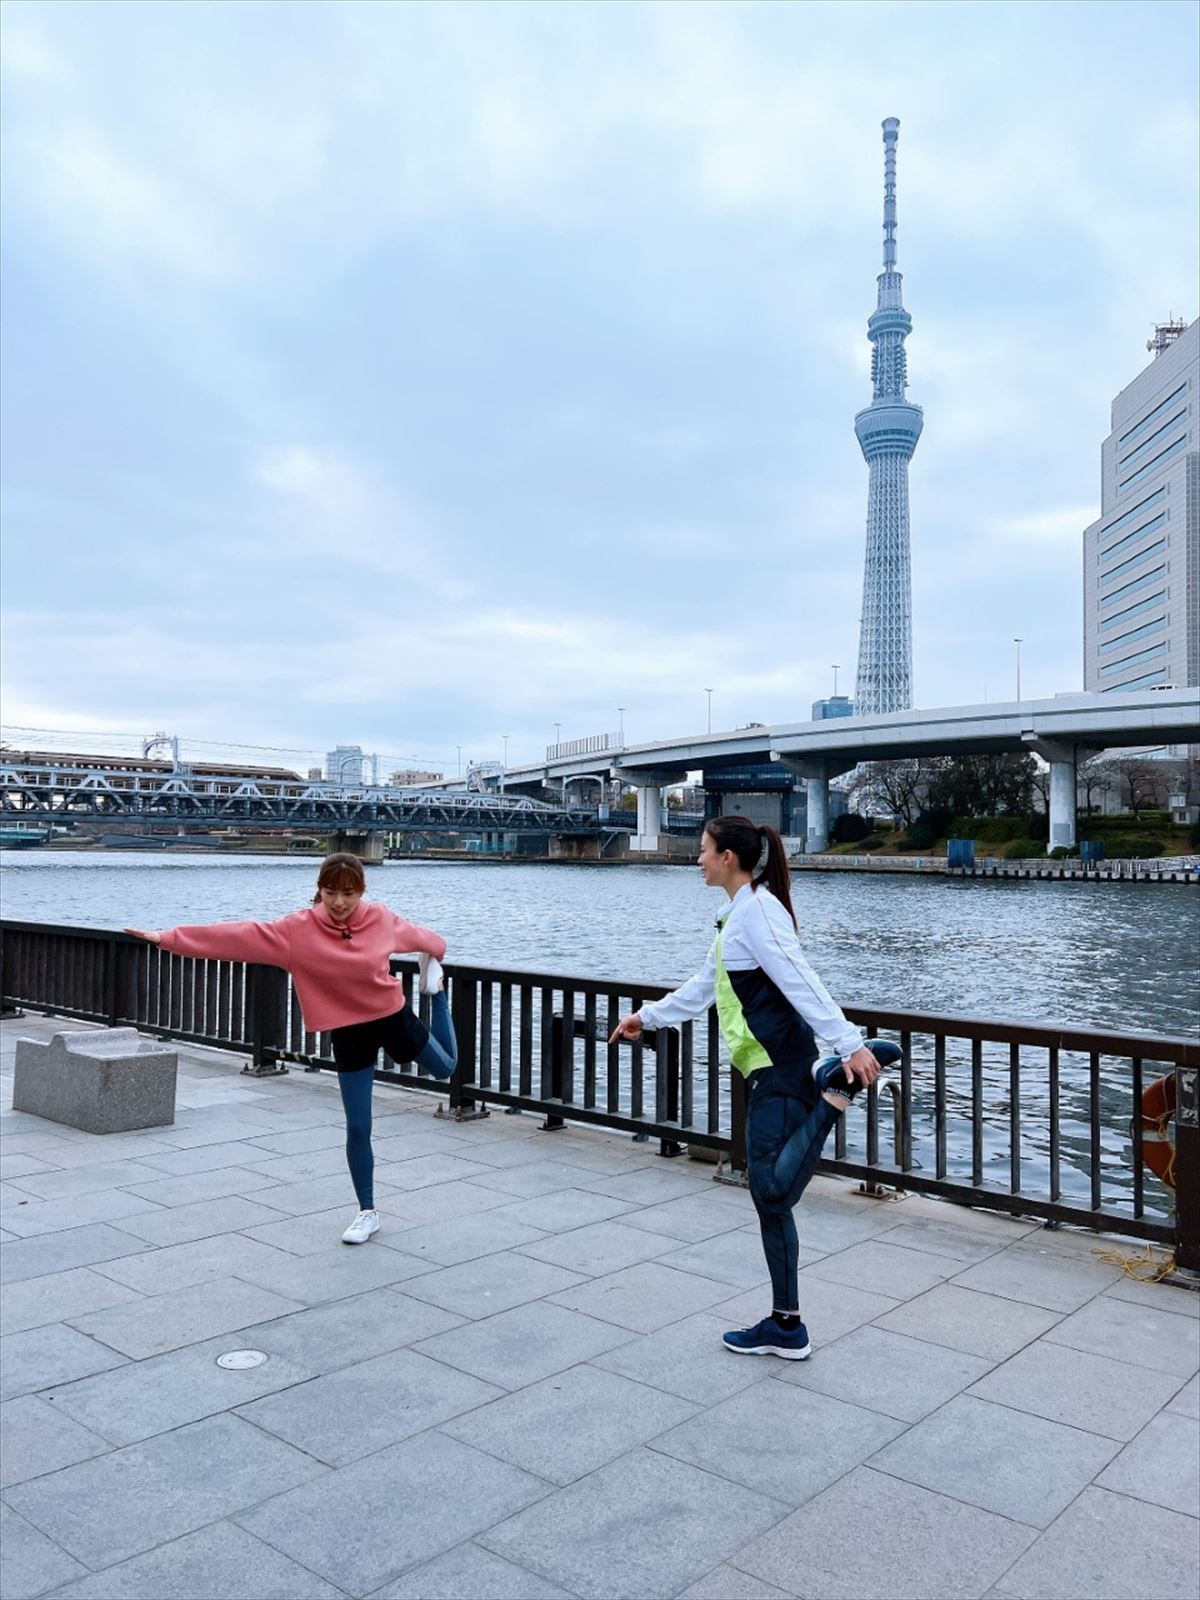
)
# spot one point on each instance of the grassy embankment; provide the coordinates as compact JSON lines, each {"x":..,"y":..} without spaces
{"x":1123,"y":837}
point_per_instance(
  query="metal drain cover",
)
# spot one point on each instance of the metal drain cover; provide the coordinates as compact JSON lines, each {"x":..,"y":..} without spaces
{"x":238,"y":1360}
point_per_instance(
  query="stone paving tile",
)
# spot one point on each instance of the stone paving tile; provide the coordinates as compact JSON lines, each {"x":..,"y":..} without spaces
{"x":301,"y":1168}
{"x":881,"y":1267}
{"x":524,"y":1344}
{"x":60,"y":1297}
{"x":599,"y":1248}
{"x":185,"y":1316}
{"x":642,"y":1298}
{"x":421,"y":1172}
{"x":196,"y":1187}
{"x":732,"y":1258}
{"x":220,"y":1562}
{"x":340,"y":1332}
{"x":963,"y":1244}
{"x":178,"y":1266}
{"x":77,"y":1149}
{"x":794,"y":1440}
{"x":1005,"y":1461}
{"x":649,"y":1185}
{"x":727,"y":1583}
{"x":294,"y":1199}
{"x":1084,"y":1391}
{"x":363,"y":1408}
{"x":829,"y":1309}
{"x":1187,"y":1401}
{"x":569,"y":1208}
{"x":963,"y":1319}
{"x":494,"y":1283}
{"x":52,"y":1216}
{"x":21,"y":1166}
{"x":688,"y":1359}
{"x":1183,"y":1302}
{"x":836,"y":1225}
{"x":537,"y":1178}
{"x":142,"y":1398}
{"x":327,"y":1136}
{"x":205,"y":1128}
{"x":439,"y":1203}
{"x":211,"y":1157}
{"x":1161,"y":1465}
{"x":595,"y":1538}
{"x":900,"y":1377}
{"x":334,"y":1274}
{"x":1133,"y":1333}
{"x":35,"y":1439}
{"x":116,"y":1506}
{"x":182,"y":1224}
{"x":313,"y":1233}
{"x":45,"y":1356}
{"x":405,"y":1505}
{"x":460,"y":1239}
{"x":566,"y":1426}
{"x":469,"y":1572}
{"x":30,"y":1564}
{"x":1039,"y":1277}
{"x":72,"y":1181}
{"x":1108,"y":1547}
{"x":697,"y":1216}
{"x":905,"y":1544}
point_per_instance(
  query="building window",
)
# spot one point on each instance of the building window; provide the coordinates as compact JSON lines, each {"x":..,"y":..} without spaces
{"x":1150,"y":438}
{"x":1150,"y":415}
{"x":1147,"y":527}
{"x":1133,"y":561}
{"x":1138,"y":683}
{"x":1134,"y":583}
{"x":1134,"y":511}
{"x":1134,"y":660}
{"x":1156,"y":461}
{"x":1119,"y":617}
{"x":1124,"y":639}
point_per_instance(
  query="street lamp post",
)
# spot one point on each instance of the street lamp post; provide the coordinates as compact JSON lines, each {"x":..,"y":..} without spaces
{"x":558,"y":733}
{"x":1018,"y":643}
{"x":504,"y":770}
{"x":836,"y":670}
{"x":458,"y":754}
{"x":708,"y":692}
{"x":621,"y":726}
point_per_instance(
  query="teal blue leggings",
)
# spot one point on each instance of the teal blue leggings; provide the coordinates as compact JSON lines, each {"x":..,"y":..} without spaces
{"x":356,"y":1049}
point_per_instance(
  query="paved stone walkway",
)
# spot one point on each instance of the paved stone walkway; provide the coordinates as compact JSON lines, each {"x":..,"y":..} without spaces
{"x":518,"y":1389}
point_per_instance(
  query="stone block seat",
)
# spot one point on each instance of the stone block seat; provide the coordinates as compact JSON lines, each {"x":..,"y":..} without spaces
{"x":101,"y":1081}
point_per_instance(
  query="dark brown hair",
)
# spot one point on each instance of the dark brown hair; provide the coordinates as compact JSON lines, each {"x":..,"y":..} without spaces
{"x":746,"y":839}
{"x":340,"y":871}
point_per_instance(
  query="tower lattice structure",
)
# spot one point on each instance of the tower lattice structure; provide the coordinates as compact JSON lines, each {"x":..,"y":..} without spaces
{"x":887,"y":431}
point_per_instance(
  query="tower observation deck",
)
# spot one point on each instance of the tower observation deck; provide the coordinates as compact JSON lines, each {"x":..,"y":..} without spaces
{"x":887,"y":431}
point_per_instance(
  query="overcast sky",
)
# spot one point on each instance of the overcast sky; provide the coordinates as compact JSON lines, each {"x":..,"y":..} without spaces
{"x":411,"y":375}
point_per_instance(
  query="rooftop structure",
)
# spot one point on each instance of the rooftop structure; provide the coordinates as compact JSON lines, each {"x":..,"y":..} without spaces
{"x":887,"y":431}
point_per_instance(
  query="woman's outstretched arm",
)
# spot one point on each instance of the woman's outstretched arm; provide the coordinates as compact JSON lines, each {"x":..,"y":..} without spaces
{"x":267,"y":943}
{"x":692,"y":999}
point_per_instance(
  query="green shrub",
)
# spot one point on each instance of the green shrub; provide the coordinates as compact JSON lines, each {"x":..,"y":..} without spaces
{"x":1024,"y":849}
{"x":923,"y":835}
{"x":1062,"y":851}
{"x":873,"y":841}
{"x":1039,"y":826}
{"x":988,"y":830}
{"x":1131,"y":847}
{"x":849,"y":828}
{"x":1194,"y":835}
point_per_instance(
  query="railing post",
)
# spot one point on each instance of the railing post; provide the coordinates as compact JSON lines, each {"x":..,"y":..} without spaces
{"x":110,"y":984}
{"x":736,"y":1171}
{"x":1187,"y":1168}
{"x":464,"y":1017}
{"x":560,"y":1043}
{"x":266,"y":995}
{"x":667,"y":1074}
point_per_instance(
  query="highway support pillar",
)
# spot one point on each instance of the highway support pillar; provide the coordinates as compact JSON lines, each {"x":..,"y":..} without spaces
{"x":649,"y":784}
{"x":817,"y":772}
{"x":1063,"y":761}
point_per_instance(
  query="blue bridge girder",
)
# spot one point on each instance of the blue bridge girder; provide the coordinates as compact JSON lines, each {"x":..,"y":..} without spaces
{"x":60,"y":794}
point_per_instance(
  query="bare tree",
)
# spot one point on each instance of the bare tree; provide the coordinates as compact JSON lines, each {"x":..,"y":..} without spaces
{"x":1146,"y":783}
{"x":898,"y":787}
{"x":1094,"y":778}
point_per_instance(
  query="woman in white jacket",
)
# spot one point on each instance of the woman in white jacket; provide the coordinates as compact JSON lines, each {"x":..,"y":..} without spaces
{"x":773,"y":1009}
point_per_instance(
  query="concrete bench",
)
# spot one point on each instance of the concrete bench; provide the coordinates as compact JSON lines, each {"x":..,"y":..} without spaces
{"x":104,"y":1081}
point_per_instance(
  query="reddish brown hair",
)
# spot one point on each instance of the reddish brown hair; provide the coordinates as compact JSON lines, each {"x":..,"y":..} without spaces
{"x":340,"y":871}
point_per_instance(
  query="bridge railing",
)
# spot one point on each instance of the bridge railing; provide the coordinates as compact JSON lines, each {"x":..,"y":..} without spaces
{"x":1015,"y":1117}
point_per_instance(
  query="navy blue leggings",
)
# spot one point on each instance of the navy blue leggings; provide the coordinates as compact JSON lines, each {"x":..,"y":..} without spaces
{"x":787,"y":1123}
{"x":405,"y":1038}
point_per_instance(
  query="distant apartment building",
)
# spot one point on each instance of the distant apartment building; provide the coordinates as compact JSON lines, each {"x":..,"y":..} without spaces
{"x":406,"y":776}
{"x":1141,"y":557}
{"x":345,"y":765}
{"x":837,"y":705}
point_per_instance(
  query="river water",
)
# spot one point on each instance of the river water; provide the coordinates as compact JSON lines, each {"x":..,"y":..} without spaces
{"x":1108,"y":955}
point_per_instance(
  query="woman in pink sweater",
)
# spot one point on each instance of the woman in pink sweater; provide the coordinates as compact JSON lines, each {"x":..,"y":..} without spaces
{"x":338,"y":952}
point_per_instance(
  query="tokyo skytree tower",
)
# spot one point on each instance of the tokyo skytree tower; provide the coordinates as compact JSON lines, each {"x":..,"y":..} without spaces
{"x":887,"y":431}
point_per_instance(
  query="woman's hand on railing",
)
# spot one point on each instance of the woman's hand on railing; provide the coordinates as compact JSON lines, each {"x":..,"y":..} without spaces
{"x":150,"y":936}
{"x":861,"y":1065}
{"x":629,"y":1027}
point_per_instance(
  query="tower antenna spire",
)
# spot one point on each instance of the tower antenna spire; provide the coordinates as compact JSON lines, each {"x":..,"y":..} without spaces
{"x":887,"y":431}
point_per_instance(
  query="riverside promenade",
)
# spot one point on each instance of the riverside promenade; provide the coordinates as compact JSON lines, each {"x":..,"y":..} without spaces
{"x":518,"y":1389}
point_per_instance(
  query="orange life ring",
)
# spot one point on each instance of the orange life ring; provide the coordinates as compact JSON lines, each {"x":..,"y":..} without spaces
{"x":1158,"y":1107}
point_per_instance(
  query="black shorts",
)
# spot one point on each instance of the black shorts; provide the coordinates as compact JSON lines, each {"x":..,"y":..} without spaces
{"x":402,"y":1036}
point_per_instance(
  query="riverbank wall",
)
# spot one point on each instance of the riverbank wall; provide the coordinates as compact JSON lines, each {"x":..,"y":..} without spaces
{"x":1160,"y":869}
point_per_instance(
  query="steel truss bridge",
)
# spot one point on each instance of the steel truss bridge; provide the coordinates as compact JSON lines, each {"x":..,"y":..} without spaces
{"x":40,"y":792}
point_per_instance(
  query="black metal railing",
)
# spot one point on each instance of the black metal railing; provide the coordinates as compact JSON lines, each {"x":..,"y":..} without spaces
{"x":1024,"y":1118}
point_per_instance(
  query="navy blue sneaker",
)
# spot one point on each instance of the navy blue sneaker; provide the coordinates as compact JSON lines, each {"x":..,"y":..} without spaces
{"x":831,"y":1074}
{"x":767,"y":1338}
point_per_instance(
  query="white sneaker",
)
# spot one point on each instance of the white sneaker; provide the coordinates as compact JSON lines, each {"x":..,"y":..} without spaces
{"x":432,"y":976}
{"x":360,"y":1230}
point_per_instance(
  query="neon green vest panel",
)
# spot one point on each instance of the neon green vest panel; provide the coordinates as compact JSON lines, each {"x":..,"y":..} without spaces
{"x":744,"y":1049}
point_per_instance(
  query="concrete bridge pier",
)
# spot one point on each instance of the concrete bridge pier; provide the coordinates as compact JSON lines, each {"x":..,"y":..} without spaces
{"x":368,"y":847}
{"x":649,"y":785}
{"x":817,"y":772}
{"x":1063,"y":761}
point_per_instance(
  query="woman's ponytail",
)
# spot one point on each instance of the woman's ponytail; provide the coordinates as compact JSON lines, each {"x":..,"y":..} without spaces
{"x":775,"y":872}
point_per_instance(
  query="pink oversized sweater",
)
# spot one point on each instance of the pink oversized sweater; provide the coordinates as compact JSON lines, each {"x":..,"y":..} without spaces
{"x":341,"y":969}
